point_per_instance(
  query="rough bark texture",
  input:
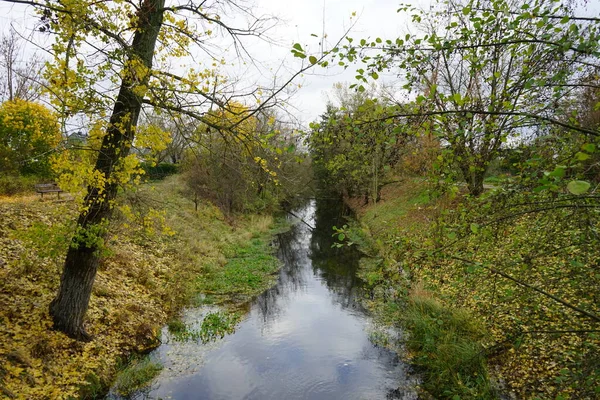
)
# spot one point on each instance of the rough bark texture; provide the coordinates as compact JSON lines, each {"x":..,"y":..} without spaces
{"x":70,"y":305}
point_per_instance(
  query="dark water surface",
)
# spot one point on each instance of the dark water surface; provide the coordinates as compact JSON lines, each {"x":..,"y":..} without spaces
{"x":305,"y":338}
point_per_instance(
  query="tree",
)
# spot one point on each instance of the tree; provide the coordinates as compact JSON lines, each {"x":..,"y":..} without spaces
{"x":488,"y":71}
{"x":180,"y":129}
{"x":249,"y":170}
{"x":117,"y":56}
{"x":19,"y":82}
{"x":29,"y":134}
{"x":353,"y":145}
{"x":70,"y":305}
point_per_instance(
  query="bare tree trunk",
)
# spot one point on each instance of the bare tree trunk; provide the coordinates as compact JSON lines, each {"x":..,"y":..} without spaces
{"x":9,"y":58}
{"x":473,"y":178}
{"x":476,"y":183}
{"x":69,"y":307}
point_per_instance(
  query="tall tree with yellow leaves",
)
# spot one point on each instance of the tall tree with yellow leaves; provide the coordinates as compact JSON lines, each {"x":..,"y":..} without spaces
{"x":118,"y":55}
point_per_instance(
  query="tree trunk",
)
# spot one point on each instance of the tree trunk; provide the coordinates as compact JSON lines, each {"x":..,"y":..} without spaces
{"x":70,"y":305}
{"x":475,"y":182}
{"x":473,"y":178}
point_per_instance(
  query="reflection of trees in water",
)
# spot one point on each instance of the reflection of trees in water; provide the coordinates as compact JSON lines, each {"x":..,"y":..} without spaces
{"x":336,"y":266}
{"x":291,"y":279}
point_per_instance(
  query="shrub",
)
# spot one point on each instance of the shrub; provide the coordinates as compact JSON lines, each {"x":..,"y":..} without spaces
{"x":29,"y":132}
{"x":159,"y":171}
{"x":11,"y":185}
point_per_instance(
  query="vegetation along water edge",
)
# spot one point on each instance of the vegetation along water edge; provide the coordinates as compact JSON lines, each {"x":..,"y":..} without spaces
{"x":161,"y":255}
{"x":474,"y":328}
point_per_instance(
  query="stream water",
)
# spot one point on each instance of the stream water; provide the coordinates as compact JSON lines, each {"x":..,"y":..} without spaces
{"x":305,"y":338}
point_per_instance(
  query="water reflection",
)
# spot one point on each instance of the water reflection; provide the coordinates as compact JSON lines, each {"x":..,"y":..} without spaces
{"x":305,"y":338}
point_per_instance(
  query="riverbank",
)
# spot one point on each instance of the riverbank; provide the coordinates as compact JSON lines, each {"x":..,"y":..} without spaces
{"x":444,"y":343}
{"x":307,"y":337}
{"x":161,"y":254}
{"x":439,"y":271}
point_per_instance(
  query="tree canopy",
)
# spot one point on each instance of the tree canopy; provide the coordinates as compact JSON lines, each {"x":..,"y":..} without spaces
{"x":29,"y":134}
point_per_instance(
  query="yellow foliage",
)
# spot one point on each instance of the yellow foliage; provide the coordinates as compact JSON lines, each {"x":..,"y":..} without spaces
{"x":29,"y":132}
{"x":148,"y":274}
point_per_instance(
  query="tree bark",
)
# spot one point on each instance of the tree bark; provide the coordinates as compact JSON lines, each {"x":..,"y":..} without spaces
{"x":473,"y":177}
{"x":69,"y":307}
{"x":475,"y":183}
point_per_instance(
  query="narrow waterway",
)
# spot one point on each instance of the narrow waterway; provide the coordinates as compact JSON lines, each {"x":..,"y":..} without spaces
{"x":305,"y":338}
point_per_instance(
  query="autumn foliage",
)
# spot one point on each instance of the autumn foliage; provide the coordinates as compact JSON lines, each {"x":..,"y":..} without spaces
{"x":29,"y":136}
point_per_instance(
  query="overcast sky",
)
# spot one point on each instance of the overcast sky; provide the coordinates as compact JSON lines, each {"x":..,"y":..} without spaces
{"x":298,"y":20}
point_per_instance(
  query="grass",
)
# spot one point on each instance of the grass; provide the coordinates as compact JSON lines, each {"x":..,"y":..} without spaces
{"x":249,"y":270}
{"x":398,"y":210}
{"x":443,"y":341}
{"x":158,"y":258}
{"x":11,"y":185}
{"x":137,"y":375}
{"x":446,"y":343}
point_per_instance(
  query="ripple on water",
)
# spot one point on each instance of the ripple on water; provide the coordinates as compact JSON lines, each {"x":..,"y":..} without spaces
{"x":307,"y":338}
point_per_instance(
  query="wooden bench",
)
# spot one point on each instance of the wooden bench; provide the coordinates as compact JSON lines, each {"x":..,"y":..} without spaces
{"x":42,"y":188}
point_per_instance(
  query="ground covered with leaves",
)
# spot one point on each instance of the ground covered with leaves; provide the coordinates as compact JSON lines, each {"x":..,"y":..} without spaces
{"x":493,"y":291}
{"x":160,"y":256}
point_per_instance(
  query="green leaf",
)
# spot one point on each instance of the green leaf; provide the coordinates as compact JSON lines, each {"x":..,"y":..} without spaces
{"x":582,"y":156}
{"x":312,"y":59}
{"x":458,"y":99}
{"x":559,"y":172}
{"x":589,"y":147}
{"x":298,"y":47}
{"x":341,"y":237}
{"x":474,"y":227}
{"x":451,"y":235}
{"x":466,"y":11}
{"x":578,"y":187}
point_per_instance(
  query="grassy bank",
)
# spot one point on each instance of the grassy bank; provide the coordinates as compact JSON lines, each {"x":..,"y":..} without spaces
{"x":435,"y":270}
{"x":161,"y":254}
{"x":444,"y":343}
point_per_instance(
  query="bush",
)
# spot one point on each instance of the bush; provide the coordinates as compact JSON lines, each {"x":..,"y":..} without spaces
{"x":29,"y":134}
{"x":159,"y":171}
{"x":15,"y":184}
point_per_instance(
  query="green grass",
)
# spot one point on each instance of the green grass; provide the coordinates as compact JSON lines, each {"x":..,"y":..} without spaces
{"x":136,"y":376}
{"x":229,"y":261}
{"x":443,"y":341}
{"x":389,"y":214}
{"x":214,"y":325}
{"x":250,"y":269}
{"x":176,"y":326}
{"x":446,"y":344}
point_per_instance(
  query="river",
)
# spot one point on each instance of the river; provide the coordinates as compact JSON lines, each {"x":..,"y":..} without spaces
{"x":308,"y":337}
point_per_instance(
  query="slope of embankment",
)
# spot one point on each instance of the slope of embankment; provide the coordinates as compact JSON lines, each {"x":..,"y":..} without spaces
{"x":478,"y":299}
{"x":160,"y":254}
